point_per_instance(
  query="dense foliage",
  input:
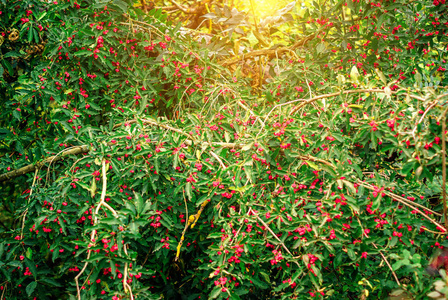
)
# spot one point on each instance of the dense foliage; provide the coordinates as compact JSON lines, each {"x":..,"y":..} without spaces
{"x":197,"y":151}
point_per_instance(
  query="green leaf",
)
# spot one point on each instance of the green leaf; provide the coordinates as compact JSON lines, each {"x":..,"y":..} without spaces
{"x":188,"y":189}
{"x":29,"y":253}
{"x":265,"y":276}
{"x":36,"y":35}
{"x":393,"y":242}
{"x":351,"y":254}
{"x":31,"y":287}
{"x":400,"y":263}
{"x":83,"y":53}
{"x":50,"y":281}
{"x":30,"y":34}
{"x":215,"y":293}
{"x":122,"y":5}
{"x":139,"y":203}
{"x":320,"y":48}
{"x":247,"y":147}
{"x":258,"y":283}
{"x":93,"y":188}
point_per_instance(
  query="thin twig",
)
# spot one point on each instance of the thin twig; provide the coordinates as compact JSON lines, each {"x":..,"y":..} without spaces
{"x":182,"y":8}
{"x":218,"y":159}
{"x":95,"y":220}
{"x":142,"y":23}
{"x":402,"y":199}
{"x":250,"y":111}
{"x":273,"y":234}
{"x":444,"y":167}
{"x":409,"y":205}
{"x":382,"y":255}
{"x":187,"y":224}
{"x":126,"y":286}
{"x":4,"y":290}
{"x":268,"y":52}
{"x":305,"y":101}
{"x":152,"y":122}
{"x":29,"y":197}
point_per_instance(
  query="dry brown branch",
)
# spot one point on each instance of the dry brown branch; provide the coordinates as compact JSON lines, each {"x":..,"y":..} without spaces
{"x":31,"y":167}
{"x":267,"y":52}
{"x":4,"y":290}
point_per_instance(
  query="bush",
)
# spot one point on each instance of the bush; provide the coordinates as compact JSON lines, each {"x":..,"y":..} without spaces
{"x":156,"y":168}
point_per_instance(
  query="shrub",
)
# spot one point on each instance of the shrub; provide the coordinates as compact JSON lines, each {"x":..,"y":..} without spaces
{"x":156,"y":168}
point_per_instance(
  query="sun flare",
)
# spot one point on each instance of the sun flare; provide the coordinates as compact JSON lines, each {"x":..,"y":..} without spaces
{"x":263,"y":8}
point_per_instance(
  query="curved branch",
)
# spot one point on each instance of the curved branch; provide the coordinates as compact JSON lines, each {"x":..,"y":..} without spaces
{"x":182,"y":8}
{"x":268,"y":52}
{"x":32,"y":167}
{"x":95,"y":221}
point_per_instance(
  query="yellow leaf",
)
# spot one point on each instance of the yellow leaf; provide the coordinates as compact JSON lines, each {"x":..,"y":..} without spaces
{"x":93,"y":188}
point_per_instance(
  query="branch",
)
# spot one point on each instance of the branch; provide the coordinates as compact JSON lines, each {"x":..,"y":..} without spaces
{"x":270,"y":230}
{"x":38,"y":165}
{"x":305,"y":101}
{"x":268,"y":52}
{"x":141,"y":23}
{"x":95,"y":221}
{"x":444,"y":166}
{"x":151,"y":122}
{"x":407,"y":204}
{"x":191,"y":222}
{"x":182,"y":8}
{"x":126,"y":286}
{"x":400,"y":199}
{"x":381,"y":253}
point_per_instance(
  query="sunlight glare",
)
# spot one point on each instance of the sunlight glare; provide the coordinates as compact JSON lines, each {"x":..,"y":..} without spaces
{"x":264,"y":8}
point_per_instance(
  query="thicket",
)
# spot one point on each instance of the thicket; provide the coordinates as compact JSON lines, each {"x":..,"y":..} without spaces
{"x":197,"y":151}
